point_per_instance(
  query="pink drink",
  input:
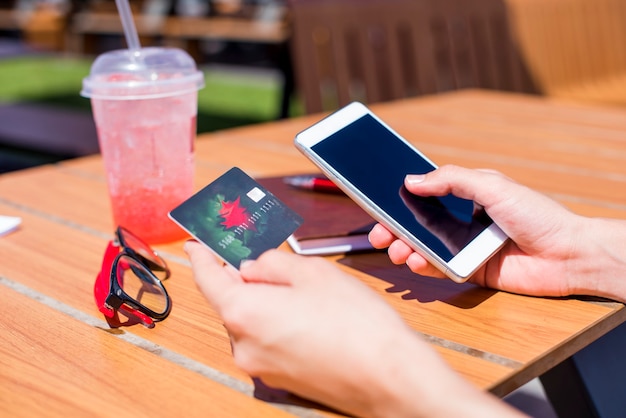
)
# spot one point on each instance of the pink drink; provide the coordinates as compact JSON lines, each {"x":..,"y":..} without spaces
{"x":146,"y":123}
{"x":147,"y":147}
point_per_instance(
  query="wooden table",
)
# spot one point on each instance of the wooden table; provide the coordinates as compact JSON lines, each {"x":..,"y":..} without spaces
{"x":59,"y":358}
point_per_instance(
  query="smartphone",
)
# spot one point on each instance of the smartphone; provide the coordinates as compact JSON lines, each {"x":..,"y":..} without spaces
{"x":369,"y":161}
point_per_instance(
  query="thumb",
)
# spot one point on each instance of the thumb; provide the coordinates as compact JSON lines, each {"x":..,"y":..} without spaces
{"x":214,"y":279}
{"x":482,"y":186}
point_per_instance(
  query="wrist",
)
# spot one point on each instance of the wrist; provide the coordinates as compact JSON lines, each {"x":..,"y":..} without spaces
{"x":599,"y":267}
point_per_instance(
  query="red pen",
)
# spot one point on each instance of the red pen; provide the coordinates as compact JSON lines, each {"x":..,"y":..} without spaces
{"x":313,"y":183}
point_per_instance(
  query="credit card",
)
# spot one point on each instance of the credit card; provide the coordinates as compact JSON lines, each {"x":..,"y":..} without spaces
{"x":236,"y":217}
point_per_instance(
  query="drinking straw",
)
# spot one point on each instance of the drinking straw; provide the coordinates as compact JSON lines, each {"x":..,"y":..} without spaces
{"x":130,"y":31}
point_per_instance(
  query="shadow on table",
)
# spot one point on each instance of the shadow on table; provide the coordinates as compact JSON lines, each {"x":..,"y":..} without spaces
{"x":283,"y":397}
{"x":402,"y":280}
{"x":416,"y":287}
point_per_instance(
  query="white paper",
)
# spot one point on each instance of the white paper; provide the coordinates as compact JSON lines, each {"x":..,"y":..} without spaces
{"x":8,"y":224}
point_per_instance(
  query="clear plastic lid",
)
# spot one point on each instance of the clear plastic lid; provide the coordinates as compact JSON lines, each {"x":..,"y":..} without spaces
{"x":147,"y":73}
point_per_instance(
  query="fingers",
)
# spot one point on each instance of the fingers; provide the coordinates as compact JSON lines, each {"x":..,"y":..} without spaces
{"x":401,"y":253}
{"x":216,"y":280}
{"x":419,"y":265}
{"x":274,"y":267}
{"x":213,"y":278}
{"x":380,"y":237}
{"x":398,"y":251}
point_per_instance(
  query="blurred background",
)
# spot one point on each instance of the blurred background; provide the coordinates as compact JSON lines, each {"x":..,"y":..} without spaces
{"x":270,"y":59}
{"x":48,"y":46}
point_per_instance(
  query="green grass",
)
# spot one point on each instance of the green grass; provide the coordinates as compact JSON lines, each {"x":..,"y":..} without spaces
{"x":237,"y":94}
{"x":25,"y":79}
{"x":227,"y":100}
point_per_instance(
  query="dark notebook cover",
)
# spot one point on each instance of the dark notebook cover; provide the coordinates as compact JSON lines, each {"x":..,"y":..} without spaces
{"x":333,"y":223}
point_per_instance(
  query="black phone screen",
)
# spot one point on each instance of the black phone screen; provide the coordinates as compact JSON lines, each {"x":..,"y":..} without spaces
{"x":376,"y":162}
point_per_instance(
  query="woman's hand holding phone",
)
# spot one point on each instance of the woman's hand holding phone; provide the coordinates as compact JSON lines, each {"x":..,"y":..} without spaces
{"x":369,"y":161}
{"x":543,"y":233}
{"x":551,"y":252}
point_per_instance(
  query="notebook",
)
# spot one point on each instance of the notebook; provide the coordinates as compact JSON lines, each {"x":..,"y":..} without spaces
{"x":333,"y":223}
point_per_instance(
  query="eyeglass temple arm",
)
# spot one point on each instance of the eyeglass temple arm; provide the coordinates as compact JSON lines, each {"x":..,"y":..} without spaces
{"x":101,"y":289}
{"x":146,"y":321}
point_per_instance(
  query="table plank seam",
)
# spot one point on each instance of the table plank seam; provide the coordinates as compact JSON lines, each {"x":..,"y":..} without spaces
{"x":560,"y":352}
{"x":56,"y":219}
{"x":80,"y":172}
{"x":493,"y":358}
{"x":490,"y":357}
{"x":484,"y":355}
{"x":82,"y":228}
{"x":156,"y":349}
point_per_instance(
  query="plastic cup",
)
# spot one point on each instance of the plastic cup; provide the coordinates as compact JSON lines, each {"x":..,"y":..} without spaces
{"x":145,"y":106}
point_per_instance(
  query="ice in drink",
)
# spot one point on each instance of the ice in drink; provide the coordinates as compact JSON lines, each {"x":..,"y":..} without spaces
{"x":145,"y":113}
{"x":147,"y":147}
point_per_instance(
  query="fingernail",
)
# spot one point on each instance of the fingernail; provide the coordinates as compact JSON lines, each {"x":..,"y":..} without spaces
{"x":186,"y":245}
{"x":415,"y":178}
{"x":244,"y":263}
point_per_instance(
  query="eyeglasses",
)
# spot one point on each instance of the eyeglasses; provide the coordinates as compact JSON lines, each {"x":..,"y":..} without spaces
{"x":129,"y":282}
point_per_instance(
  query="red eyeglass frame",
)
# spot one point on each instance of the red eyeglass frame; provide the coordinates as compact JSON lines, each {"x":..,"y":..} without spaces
{"x":109,"y":295}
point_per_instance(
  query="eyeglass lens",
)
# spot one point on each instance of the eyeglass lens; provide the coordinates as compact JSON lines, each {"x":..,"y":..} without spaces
{"x":139,"y":284}
{"x":143,"y":250}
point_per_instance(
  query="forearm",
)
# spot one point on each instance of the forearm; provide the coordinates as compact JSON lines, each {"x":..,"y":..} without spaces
{"x":416,"y":382}
{"x":600,"y":259}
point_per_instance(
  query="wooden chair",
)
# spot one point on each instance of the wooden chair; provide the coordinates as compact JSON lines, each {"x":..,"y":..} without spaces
{"x":39,"y":24}
{"x":9,"y":21}
{"x":575,"y":49}
{"x":379,"y":50}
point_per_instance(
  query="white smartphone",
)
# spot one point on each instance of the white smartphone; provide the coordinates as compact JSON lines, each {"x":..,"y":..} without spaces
{"x":369,"y":162}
